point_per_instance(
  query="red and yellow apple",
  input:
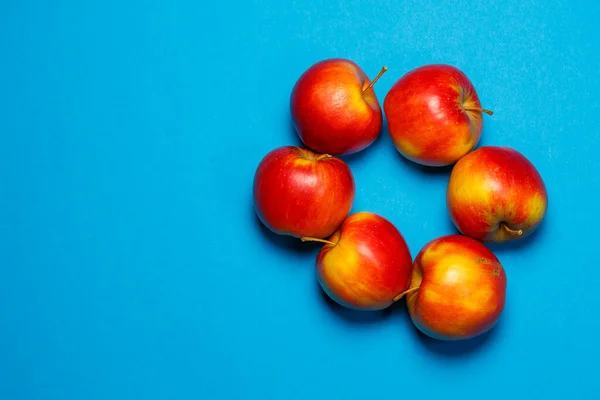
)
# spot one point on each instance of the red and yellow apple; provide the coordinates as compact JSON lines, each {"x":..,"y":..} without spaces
{"x":334,"y":108}
{"x":495,"y":194}
{"x":457,"y":290}
{"x":434,"y":116}
{"x":366,"y":264}
{"x":298,"y":192}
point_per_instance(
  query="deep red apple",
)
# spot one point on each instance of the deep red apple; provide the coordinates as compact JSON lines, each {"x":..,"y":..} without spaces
{"x":334,"y":108}
{"x":458,"y":289}
{"x":495,"y":194}
{"x":366,"y":264}
{"x":301,"y":193}
{"x":434,"y":116}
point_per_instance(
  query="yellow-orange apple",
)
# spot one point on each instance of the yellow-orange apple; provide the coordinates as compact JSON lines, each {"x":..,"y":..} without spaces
{"x":298,"y":192}
{"x":495,"y":194}
{"x":366,"y":264}
{"x":457,"y":290}
{"x":334,"y":107}
{"x":434,"y":115}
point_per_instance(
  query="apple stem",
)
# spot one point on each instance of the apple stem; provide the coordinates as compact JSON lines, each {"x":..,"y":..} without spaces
{"x":517,"y":232}
{"x":488,"y":112}
{"x":407,"y":291}
{"x":323,"y":157}
{"x":375,"y":79}
{"x":312,"y":239}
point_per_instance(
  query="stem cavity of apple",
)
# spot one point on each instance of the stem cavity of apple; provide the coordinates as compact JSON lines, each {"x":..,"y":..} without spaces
{"x":375,"y":79}
{"x":517,"y":232}
{"x":407,"y":291}
{"x":312,"y":239}
{"x":477,"y":109}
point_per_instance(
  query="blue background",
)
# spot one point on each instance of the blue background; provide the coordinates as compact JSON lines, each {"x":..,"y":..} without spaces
{"x":132,"y":264}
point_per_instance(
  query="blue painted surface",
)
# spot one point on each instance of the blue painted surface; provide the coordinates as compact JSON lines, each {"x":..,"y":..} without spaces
{"x":132,"y":265}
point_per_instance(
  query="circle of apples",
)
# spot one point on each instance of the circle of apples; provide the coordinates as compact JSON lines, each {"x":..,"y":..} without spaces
{"x":455,"y":287}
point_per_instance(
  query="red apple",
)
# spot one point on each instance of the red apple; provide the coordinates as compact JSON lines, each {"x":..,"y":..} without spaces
{"x":458,"y":289}
{"x":301,"y":193}
{"x":434,"y":116}
{"x":334,"y":108}
{"x":495,"y":194}
{"x":366,"y":264}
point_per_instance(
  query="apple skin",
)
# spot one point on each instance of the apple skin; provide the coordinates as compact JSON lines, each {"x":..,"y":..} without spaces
{"x":301,"y":193}
{"x":427,"y":118}
{"x":495,"y":194}
{"x":329,"y":111}
{"x":368,"y":265}
{"x":461,"y":289}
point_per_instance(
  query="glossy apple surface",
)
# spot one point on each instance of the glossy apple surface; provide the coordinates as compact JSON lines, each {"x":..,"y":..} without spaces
{"x":495,"y":194}
{"x":333,"y":108}
{"x":301,"y":193}
{"x":366,"y":265}
{"x":461,"y":289}
{"x":434,"y":115}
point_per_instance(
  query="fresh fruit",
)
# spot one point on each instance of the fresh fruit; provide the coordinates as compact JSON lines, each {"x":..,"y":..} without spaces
{"x":366,"y":264}
{"x":301,"y":193}
{"x":495,"y":194}
{"x":434,"y":116}
{"x":334,"y":108}
{"x":458,"y":289}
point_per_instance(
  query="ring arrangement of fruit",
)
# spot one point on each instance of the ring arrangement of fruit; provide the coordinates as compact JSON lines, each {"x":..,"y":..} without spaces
{"x":455,"y":287}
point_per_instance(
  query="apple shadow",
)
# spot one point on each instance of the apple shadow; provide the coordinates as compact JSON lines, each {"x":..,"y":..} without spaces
{"x":354,"y":316}
{"x":283,"y":241}
{"x":425,"y":169}
{"x":452,"y":229}
{"x":458,"y":348}
{"x":380,"y":141}
{"x":295,"y":138}
{"x":353,"y":158}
